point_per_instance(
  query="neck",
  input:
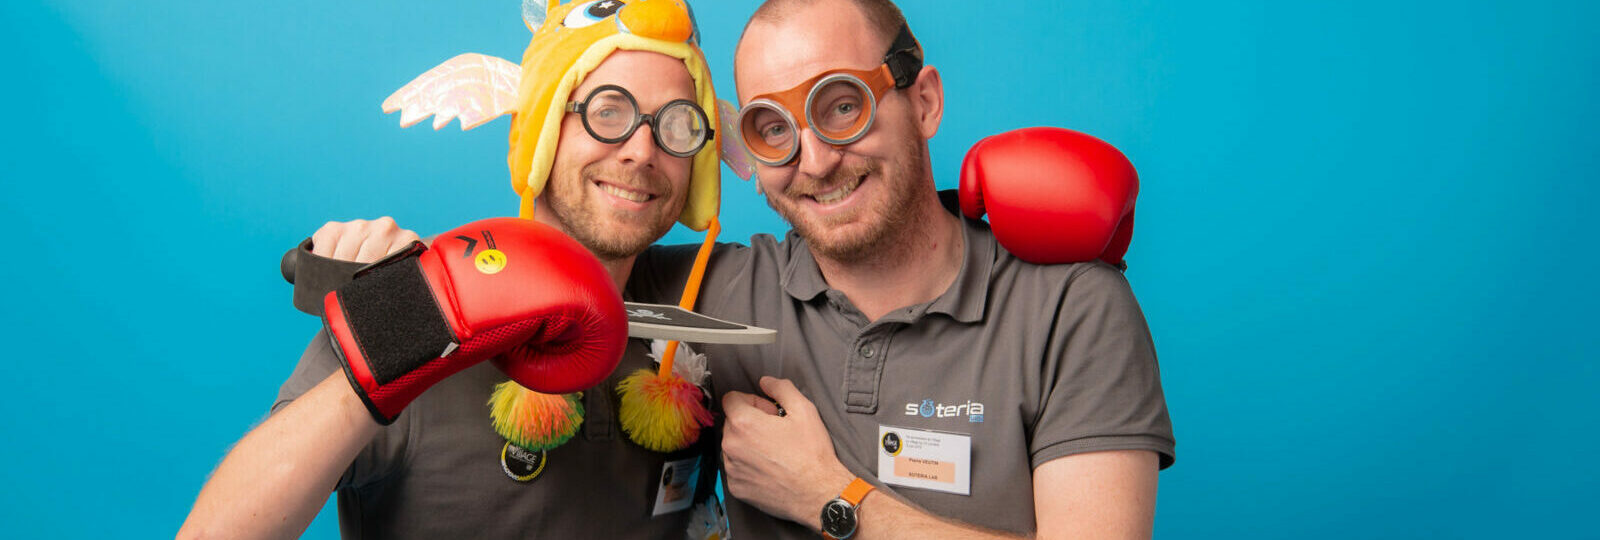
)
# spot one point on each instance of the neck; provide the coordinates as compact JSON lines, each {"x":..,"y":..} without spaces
{"x":911,"y":267}
{"x":619,"y":268}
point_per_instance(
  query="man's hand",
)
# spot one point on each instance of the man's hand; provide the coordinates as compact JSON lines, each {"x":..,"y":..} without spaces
{"x":784,"y":465}
{"x":360,"y":240}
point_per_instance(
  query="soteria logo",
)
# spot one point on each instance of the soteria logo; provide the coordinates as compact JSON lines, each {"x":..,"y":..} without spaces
{"x":928,"y":409}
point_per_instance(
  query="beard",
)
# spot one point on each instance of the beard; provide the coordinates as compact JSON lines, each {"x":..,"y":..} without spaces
{"x":607,"y":232}
{"x":874,"y":231}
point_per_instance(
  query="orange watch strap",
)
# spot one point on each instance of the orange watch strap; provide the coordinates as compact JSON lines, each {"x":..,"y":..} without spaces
{"x":857,"y":490}
{"x":853,"y":493}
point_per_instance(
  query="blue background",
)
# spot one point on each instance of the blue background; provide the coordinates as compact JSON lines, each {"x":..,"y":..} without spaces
{"x":1364,"y":242}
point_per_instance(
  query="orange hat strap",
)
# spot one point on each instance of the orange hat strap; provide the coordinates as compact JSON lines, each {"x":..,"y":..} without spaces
{"x":691,"y":291}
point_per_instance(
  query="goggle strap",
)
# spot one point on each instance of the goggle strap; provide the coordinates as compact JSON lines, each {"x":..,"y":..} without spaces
{"x":904,"y":58}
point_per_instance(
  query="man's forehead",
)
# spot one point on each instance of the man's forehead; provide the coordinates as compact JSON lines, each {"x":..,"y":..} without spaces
{"x":653,"y":78}
{"x":775,"y":55}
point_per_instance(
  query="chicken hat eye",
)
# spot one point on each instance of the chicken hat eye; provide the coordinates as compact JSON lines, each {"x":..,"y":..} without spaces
{"x":591,"y":13}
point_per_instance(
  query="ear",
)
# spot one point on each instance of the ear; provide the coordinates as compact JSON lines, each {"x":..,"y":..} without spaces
{"x":534,"y":12}
{"x":927,"y":99}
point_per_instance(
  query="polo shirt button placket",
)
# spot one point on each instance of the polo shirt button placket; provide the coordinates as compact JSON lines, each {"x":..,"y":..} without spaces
{"x":861,"y":378}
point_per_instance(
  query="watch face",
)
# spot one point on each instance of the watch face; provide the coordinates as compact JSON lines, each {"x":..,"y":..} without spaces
{"x":839,"y":519}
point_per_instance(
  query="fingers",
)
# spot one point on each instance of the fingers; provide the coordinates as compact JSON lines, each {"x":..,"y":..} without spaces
{"x":326,"y":237}
{"x":400,"y":241}
{"x":784,"y":392}
{"x":736,"y":405}
{"x":360,"y":240}
{"x":733,"y":403}
{"x":766,"y":406}
{"x":375,"y":244}
{"x":349,"y":245}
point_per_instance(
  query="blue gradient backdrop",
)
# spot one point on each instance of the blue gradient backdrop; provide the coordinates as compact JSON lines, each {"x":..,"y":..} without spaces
{"x":1362,"y":245}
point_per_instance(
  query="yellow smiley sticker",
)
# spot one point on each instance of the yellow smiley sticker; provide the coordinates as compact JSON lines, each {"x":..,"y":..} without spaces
{"x":491,"y":261}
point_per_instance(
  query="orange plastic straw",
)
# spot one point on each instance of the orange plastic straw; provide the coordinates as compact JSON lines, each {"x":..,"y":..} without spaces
{"x":691,"y":291}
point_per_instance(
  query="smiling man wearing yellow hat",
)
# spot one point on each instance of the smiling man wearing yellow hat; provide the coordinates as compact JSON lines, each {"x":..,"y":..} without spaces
{"x":612,"y":141}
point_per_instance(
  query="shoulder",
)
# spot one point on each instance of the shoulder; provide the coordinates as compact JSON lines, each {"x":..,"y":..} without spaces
{"x":1023,"y":277}
{"x":1061,"y":297}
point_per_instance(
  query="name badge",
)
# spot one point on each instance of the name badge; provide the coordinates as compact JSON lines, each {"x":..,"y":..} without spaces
{"x":924,"y":459}
{"x":675,"y":490}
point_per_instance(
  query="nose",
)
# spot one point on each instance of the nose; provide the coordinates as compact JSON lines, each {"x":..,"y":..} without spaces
{"x":817,"y":158}
{"x":640,"y":147}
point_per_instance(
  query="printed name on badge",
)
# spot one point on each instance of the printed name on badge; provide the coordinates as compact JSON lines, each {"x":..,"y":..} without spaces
{"x":925,"y":459}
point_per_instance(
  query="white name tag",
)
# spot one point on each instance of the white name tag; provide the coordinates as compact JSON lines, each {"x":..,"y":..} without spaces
{"x":675,"y":488}
{"x":925,"y":459}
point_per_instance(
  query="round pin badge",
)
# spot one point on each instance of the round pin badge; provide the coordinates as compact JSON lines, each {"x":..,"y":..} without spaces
{"x":521,"y":464}
{"x":891,"y":443}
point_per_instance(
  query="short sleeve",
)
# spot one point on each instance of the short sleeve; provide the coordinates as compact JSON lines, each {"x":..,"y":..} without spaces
{"x":316,"y":364}
{"x":1103,"y":386}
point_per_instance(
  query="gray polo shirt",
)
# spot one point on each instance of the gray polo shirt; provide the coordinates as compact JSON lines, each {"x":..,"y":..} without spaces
{"x":436,"y":472}
{"x":1031,"y":362}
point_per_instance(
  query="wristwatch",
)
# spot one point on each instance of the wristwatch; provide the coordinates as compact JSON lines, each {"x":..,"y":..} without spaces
{"x":839,"y":514}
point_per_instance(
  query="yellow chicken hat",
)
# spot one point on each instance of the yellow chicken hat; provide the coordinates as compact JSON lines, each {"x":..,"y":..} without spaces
{"x":569,"y":40}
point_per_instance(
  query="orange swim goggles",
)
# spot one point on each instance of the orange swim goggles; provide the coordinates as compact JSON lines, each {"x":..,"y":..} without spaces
{"x":838,"y":105}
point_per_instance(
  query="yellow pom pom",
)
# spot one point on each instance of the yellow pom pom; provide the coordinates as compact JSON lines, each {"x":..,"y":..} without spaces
{"x":662,"y":413}
{"x":533,"y":420}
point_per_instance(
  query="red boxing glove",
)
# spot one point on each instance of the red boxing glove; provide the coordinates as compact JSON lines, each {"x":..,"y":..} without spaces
{"x":1053,"y":195}
{"x":512,"y":289}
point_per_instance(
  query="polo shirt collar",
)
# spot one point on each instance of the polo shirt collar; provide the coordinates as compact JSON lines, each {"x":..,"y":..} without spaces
{"x":964,"y":301}
{"x":802,"y":279}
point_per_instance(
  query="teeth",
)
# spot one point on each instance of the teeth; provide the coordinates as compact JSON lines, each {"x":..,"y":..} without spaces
{"x":840,"y":193}
{"x":624,"y":194}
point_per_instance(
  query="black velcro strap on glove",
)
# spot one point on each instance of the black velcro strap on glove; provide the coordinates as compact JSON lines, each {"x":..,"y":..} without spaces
{"x":395,"y":319}
{"x":314,"y":276}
